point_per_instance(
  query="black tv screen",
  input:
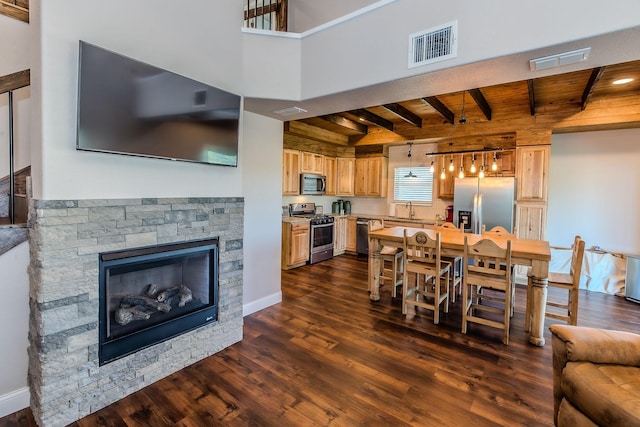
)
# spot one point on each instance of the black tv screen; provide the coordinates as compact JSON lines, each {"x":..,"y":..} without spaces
{"x":128,"y":107}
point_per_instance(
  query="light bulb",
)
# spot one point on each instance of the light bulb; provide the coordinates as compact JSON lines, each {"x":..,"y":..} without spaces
{"x":432,"y":168}
{"x":481,"y":174}
{"x":494,"y":165}
{"x":443,"y":175}
{"x":461,"y":174}
{"x":473,"y":166}
{"x":451,"y":165}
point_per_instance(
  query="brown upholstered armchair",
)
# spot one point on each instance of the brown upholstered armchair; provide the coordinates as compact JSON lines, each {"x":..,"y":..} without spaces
{"x":596,"y":377}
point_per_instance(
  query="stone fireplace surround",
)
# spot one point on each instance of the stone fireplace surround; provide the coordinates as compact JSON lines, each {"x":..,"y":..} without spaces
{"x":66,"y":236}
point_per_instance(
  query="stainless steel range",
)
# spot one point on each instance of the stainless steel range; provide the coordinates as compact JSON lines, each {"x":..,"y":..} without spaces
{"x":321,"y":243}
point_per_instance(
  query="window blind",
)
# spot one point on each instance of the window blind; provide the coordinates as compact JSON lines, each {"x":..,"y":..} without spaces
{"x":418,"y":188}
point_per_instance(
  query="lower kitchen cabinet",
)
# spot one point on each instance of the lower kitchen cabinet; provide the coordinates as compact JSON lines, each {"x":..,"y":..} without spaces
{"x":351,"y":234}
{"x":295,"y":244}
{"x":339,"y":235}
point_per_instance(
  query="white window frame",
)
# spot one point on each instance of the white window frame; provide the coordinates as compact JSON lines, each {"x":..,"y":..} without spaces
{"x":422,"y":183}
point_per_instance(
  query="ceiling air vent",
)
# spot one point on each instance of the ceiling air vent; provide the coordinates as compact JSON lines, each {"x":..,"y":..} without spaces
{"x":434,"y":44}
{"x":291,"y":111}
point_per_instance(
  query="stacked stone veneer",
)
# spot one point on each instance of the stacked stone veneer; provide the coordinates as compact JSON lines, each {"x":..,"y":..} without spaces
{"x":66,"y":237}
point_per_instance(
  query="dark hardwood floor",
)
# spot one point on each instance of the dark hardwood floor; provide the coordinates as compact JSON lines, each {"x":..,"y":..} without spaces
{"x":328,"y":356}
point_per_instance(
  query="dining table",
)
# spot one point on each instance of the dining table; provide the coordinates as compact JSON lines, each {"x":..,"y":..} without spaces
{"x":535,"y":254}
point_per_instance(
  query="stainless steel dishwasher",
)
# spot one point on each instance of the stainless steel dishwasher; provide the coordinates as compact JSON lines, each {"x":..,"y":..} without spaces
{"x":362,"y":236}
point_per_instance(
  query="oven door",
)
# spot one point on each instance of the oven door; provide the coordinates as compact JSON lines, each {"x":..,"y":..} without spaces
{"x":321,"y":245}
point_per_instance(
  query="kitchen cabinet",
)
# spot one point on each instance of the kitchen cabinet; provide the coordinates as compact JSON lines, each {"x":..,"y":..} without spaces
{"x":339,"y":235}
{"x":446,"y":185}
{"x":371,"y":177}
{"x":295,"y":243}
{"x":351,"y":234}
{"x":291,"y":172}
{"x":532,"y":173}
{"x":531,"y":220}
{"x":330,"y":173}
{"x":311,"y":163}
{"x":345,"y":174}
{"x":505,"y":161}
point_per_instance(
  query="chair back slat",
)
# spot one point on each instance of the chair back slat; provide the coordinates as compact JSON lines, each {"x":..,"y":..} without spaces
{"x":488,"y":258}
{"x":497,"y":231}
{"x":420,"y":247}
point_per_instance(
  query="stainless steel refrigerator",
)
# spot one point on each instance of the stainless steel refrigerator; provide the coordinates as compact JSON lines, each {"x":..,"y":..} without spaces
{"x":488,"y":201}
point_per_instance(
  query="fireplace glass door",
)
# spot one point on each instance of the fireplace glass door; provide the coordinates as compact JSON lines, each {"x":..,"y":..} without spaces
{"x":151,"y":294}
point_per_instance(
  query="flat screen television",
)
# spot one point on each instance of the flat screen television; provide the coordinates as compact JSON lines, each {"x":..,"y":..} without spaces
{"x":129,"y":107}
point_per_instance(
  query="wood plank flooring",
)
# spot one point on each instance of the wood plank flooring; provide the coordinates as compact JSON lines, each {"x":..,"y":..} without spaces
{"x":328,"y":356}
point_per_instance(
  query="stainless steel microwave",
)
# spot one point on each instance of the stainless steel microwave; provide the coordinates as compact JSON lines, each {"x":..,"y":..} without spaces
{"x":311,"y":183}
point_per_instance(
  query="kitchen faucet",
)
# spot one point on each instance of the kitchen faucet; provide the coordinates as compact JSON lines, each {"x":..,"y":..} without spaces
{"x":411,"y":212}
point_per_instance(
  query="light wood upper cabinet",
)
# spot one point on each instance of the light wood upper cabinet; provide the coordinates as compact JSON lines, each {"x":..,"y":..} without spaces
{"x":371,"y":176}
{"x":311,"y":163}
{"x":446,"y":185}
{"x":532,"y":173}
{"x":291,"y":172}
{"x":345,"y":173}
{"x":295,"y":244}
{"x":330,"y":173}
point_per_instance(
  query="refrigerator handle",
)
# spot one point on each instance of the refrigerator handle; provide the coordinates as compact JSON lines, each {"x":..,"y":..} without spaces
{"x":474,"y":213}
{"x":478,"y":221}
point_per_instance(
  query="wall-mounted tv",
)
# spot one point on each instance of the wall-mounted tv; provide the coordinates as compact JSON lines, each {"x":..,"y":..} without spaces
{"x":128,"y":107}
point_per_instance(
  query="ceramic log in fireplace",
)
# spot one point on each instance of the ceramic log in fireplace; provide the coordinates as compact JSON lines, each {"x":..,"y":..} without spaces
{"x":151,"y":294}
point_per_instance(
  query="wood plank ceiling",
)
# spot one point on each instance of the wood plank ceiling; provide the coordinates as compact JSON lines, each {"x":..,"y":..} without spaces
{"x":576,"y":101}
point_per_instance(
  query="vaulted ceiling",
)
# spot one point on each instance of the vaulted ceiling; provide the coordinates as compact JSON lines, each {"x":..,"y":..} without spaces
{"x":570,"y":102}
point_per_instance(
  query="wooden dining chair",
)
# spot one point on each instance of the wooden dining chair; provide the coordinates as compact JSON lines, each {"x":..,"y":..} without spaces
{"x":430,"y":290}
{"x":483,"y":268}
{"x":498,"y":230}
{"x":391,"y":261}
{"x":568,"y":281}
{"x":503,"y":232}
{"x":456,"y":264}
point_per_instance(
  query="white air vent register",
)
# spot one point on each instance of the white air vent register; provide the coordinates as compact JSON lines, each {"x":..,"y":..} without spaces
{"x":432,"y":45}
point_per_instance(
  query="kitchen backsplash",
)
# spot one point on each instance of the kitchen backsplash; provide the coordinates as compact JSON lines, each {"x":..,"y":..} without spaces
{"x":373,"y":205}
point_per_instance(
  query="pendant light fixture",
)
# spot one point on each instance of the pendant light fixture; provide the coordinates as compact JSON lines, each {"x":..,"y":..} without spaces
{"x":410,"y":174}
{"x":473,"y":163}
{"x":451,"y":167}
{"x":494,"y":165}
{"x":443,"y":175}
{"x":432,"y":168}
{"x":461,"y":173}
{"x":481,"y":173}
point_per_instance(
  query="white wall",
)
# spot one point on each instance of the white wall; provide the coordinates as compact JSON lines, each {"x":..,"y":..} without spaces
{"x":594,"y":190}
{"x":307,"y":14}
{"x":369,"y":50}
{"x":14,"y":320}
{"x":205,"y":46}
{"x":262,"y":231}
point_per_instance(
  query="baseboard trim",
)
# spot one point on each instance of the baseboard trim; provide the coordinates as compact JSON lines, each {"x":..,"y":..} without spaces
{"x":14,"y":401}
{"x":258,"y":305}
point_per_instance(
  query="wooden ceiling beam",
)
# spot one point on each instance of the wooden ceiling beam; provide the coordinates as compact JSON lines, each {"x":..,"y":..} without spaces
{"x":481,"y":101}
{"x":372,"y":118}
{"x":532,"y":97}
{"x":591,"y":85}
{"x":15,"y":81}
{"x":314,"y":133}
{"x":339,"y":120}
{"x":404,"y":114}
{"x":442,"y":109}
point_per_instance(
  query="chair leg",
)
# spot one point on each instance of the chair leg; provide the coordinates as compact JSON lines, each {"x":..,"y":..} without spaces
{"x":405,"y":290}
{"x":465,"y":306}
{"x":527,"y":314}
{"x":436,"y":299}
{"x":507,"y":315}
{"x":573,"y":306}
